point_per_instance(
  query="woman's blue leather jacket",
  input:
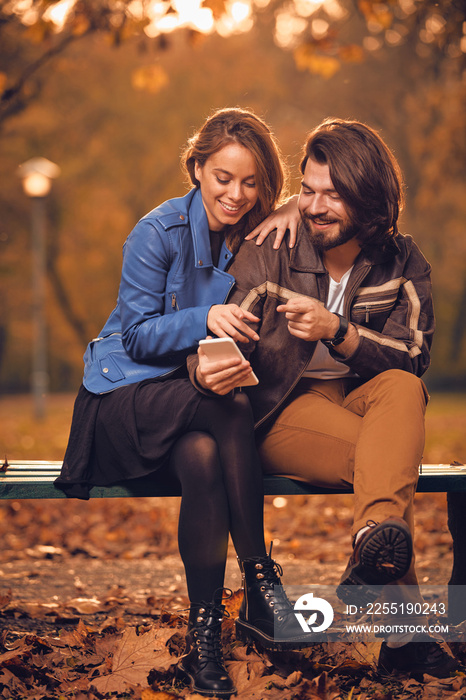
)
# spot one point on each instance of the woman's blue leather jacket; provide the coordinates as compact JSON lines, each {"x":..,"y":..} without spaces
{"x":168,"y":284}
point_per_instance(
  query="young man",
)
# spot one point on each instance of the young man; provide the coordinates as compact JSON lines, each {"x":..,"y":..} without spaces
{"x":345,"y":335}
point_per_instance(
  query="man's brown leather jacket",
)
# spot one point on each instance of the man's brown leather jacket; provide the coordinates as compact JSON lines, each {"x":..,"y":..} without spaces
{"x":388,"y":299}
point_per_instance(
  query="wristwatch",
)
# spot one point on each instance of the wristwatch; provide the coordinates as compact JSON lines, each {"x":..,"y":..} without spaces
{"x":339,"y":335}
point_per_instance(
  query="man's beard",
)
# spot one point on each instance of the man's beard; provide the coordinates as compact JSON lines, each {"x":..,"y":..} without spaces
{"x":321,"y":242}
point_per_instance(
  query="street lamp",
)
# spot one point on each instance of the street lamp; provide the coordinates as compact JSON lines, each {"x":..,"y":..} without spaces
{"x":36,"y":175}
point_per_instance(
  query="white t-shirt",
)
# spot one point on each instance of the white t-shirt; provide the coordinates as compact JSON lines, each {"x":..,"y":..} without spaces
{"x":322,"y":364}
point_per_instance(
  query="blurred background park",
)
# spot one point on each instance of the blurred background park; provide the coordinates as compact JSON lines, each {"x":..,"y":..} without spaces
{"x":109,"y":92}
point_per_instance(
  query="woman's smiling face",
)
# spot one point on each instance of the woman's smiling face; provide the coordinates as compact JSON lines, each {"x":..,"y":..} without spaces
{"x":228,"y":185}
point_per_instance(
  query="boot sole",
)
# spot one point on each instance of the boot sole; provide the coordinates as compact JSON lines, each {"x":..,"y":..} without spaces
{"x":385,"y":557}
{"x":247,"y":634}
{"x":181,"y":674}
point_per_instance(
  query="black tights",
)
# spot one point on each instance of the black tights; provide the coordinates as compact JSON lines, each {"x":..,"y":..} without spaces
{"x":221,"y":481}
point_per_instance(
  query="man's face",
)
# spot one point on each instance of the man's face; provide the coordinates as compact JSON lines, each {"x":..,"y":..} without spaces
{"x":323,"y":212}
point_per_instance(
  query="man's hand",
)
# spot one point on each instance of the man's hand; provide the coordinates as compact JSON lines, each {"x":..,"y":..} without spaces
{"x":225,"y":320}
{"x":221,"y":376}
{"x":309,"y":319}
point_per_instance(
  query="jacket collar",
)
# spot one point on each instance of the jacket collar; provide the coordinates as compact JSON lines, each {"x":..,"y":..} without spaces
{"x":201,"y":239}
{"x":189,"y":210}
{"x":200,"y":231}
{"x":305,"y":258}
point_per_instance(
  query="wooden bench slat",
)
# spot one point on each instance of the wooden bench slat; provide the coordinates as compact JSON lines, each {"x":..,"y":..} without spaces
{"x":29,"y":477}
{"x":55,"y":467}
{"x":34,"y":479}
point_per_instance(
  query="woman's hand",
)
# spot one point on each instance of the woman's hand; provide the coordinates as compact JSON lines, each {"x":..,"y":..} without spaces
{"x":285,"y":217}
{"x":221,"y":376}
{"x":227,"y":320}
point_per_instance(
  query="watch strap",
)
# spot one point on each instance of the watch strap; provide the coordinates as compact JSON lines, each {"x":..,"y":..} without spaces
{"x":340,"y":334}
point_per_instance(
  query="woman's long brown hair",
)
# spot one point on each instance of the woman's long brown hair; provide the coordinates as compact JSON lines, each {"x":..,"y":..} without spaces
{"x":234,"y":125}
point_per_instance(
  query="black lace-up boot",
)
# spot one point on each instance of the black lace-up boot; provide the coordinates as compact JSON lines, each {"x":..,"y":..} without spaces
{"x":423,"y":655}
{"x":266,"y":615}
{"x":202,"y":665}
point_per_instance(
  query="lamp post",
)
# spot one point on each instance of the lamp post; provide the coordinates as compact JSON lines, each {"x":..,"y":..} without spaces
{"x":37,"y":175}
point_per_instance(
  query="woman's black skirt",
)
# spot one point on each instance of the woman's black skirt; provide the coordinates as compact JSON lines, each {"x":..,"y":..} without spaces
{"x":125,"y":434}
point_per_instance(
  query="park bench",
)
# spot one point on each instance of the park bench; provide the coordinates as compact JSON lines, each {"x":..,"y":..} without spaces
{"x":34,"y":479}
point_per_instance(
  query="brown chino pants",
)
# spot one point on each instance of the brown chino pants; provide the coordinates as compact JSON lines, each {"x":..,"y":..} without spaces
{"x":371,"y":437}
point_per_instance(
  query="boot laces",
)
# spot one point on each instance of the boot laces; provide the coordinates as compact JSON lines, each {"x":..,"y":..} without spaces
{"x":207,"y":634}
{"x":271,"y":572}
{"x":273,"y":568}
{"x":271,"y":586}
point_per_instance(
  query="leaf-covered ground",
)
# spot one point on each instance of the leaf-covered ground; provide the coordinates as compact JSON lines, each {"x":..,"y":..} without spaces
{"x":93,"y":602}
{"x":114,"y":647}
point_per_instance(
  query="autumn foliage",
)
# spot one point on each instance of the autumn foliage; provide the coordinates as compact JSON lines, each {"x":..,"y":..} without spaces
{"x":113,"y":106}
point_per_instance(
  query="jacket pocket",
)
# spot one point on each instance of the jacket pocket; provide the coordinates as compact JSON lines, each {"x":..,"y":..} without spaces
{"x":110,"y":369}
{"x":363,"y":312}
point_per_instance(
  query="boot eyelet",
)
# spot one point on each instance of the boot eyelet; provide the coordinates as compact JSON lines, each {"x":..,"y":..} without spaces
{"x":259,"y":576}
{"x":262,"y":589}
{"x":259,"y":566}
{"x":271,"y":603}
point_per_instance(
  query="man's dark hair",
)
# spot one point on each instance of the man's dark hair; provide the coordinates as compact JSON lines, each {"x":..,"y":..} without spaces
{"x":365,"y":174}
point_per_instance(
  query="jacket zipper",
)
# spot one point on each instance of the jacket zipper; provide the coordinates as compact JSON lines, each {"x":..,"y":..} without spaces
{"x":229,"y":289}
{"x":367,"y":309}
{"x":177,"y":308}
{"x":350,"y":296}
{"x":103,"y":337}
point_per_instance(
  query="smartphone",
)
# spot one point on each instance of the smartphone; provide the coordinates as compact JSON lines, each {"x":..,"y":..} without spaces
{"x":225,"y":349}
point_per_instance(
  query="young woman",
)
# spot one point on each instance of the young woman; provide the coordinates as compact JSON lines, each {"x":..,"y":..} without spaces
{"x":137,"y":413}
